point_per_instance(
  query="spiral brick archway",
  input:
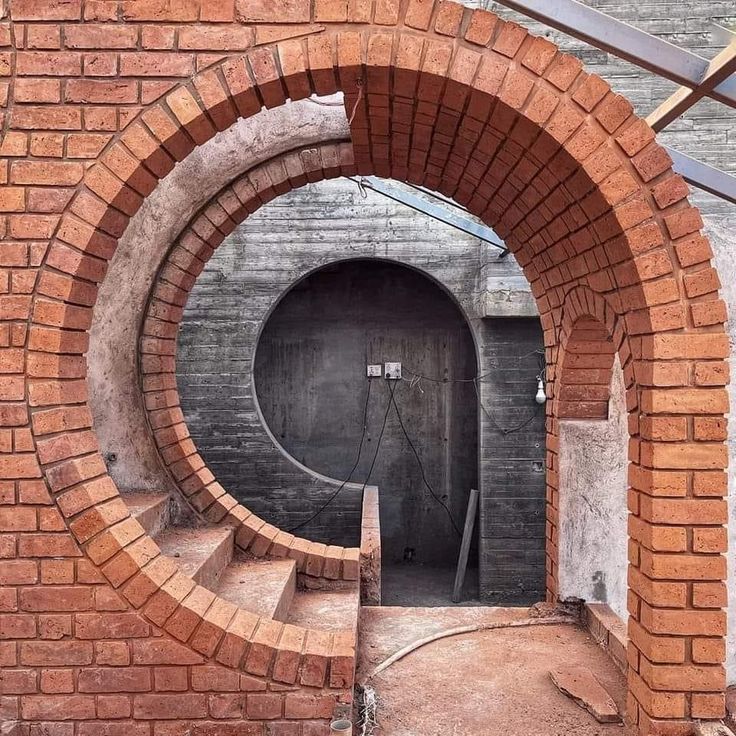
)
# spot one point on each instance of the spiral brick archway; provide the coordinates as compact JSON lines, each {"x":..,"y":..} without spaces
{"x":476,"y":108}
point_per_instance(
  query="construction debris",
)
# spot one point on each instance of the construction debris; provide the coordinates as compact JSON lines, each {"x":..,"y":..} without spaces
{"x":580,"y":684}
{"x":712,"y":728}
{"x":368,"y":708}
{"x":569,"y":607}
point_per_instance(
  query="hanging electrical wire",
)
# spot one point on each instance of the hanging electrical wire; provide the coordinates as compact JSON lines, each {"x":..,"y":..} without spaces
{"x":518,"y":359}
{"x":416,"y":382}
{"x":357,"y":459}
{"x":421,"y":466}
{"x":392,"y":388}
{"x":352,"y":470}
{"x":506,"y":430}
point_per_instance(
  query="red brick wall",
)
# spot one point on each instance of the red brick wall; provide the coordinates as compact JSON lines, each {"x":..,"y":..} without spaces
{"x":102,"y":98}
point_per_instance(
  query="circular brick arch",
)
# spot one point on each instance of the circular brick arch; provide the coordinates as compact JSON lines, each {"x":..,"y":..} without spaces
{"x":481,"y":111}
{"x":160,"y":325}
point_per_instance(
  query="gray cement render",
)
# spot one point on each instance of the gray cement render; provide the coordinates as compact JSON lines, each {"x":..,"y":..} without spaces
{"x":593,"y":515}
{"x":115,"y":394}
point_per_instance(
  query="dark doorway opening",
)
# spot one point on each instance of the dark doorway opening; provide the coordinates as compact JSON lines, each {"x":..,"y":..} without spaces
{"x":420,"y":445}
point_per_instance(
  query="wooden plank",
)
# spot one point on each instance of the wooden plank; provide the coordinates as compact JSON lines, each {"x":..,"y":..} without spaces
{"x":462,"y":562}
{"x":719,"y":69}
{"x":370,"y":549}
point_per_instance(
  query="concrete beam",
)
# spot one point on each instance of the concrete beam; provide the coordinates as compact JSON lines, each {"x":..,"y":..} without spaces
{"x":704,"y":176}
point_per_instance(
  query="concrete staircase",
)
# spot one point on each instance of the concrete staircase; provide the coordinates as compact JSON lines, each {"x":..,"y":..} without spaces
{"x":268,"y":587}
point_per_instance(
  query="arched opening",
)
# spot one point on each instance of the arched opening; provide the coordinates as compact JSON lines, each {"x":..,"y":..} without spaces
{"x":420,"y":440}
{"x":586,"y":371}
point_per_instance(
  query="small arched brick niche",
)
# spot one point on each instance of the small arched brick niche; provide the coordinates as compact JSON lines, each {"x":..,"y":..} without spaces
{"x":586,"y":371}
{"x":587,"y":364}
{"x":461,"y":102}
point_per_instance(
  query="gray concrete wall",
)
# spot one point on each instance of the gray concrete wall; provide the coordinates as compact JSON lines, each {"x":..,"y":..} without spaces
{"x":234,"y":295}
{"x":512,"y":502}
{"x":311,"y":385}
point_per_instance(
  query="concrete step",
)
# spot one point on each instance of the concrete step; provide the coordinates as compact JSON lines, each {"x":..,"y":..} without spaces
{"x":329,"y":610}
{"x":152,"y":509}
{"x":263,"y":586}
{"x":201,"y":552}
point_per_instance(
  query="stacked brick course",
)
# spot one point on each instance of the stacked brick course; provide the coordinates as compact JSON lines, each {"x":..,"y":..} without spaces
{"x":102,"y":634}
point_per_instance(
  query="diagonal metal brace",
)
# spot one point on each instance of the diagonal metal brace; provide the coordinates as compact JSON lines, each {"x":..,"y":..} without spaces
{"x":436,"y":211}
{"x":719,"y":69}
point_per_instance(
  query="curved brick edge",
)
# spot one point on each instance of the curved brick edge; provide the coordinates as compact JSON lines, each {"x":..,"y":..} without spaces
{"x":157,"y":357}
{"x":581,"y":192}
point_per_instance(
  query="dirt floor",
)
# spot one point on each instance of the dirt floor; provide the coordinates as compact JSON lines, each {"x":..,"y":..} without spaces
{"x":486,"y":683}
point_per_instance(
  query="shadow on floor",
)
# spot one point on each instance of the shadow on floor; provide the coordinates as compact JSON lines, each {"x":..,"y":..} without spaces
{"x":414,"y":584}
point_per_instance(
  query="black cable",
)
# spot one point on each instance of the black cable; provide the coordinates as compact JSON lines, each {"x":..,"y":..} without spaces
{"x":518,"y":359}
{"x":350,"y":474}
{"x":421,"y":467}
{"x":391,"y":390}
{"x":506,"y":430}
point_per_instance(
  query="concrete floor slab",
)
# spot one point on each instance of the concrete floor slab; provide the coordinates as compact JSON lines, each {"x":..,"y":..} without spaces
{"x":412,"y":584}
{"x":490,"y":683}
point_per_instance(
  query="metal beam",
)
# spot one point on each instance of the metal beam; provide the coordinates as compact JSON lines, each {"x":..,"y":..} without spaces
{"x":437,"y":212}
{"x":441,"y":197}
{"x":622,"y":40}
{"x":704,"y":176}
{"x":719,"y":69}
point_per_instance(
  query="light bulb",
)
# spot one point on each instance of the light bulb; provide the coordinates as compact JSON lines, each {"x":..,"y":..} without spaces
{"x":541,"y":396}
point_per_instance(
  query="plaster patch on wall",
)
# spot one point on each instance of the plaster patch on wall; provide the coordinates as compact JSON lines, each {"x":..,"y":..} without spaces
{"x":722,"y":234}
{"x":593,"y":513}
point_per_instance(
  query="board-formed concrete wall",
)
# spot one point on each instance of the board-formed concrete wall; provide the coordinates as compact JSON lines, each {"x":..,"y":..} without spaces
{"x":229,"y":306}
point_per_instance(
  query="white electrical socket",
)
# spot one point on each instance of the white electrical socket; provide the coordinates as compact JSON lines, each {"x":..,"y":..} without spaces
{"x":375,"y":371}
{"x":392,"y":371}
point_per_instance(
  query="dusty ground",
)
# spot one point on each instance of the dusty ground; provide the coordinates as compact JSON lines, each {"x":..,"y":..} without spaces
{"x":487,"y":683}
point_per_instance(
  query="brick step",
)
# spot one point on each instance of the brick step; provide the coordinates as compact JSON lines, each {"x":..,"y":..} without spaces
{"x":151,"y":509}
{"x":267,"y":587}
{"x":263,"y":586}
{"x":201,"y":552}
{"x":328,"y":610}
